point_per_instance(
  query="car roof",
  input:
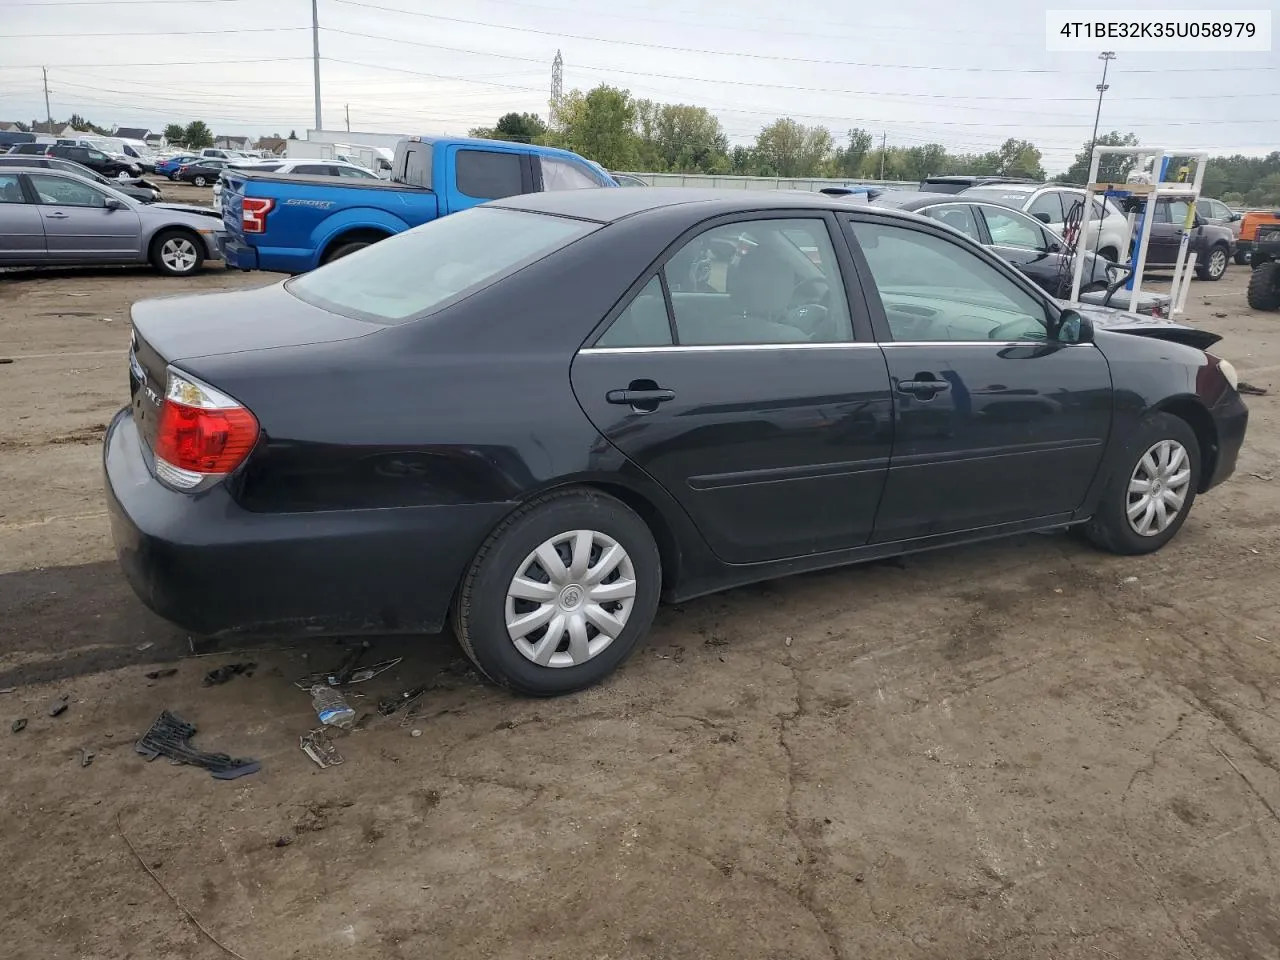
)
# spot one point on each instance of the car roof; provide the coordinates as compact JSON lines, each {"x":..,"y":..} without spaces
{"x":910,"y":200}
{"x":608,"y":204}
{"x":1009,"y":187}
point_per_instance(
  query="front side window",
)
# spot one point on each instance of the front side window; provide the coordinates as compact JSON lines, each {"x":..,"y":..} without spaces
{"x":61,"y":192}
{"x":1047,"y":205}
{"x":562,"y":175}
{"x":958,"y":216}
{"x":97,"y":155}
{"x":423,"y":269}
{"x":10,"y":189}
{"x":489,"y":175}
{"x":759,"y":282}
{"x":1010,"y":229}
{"x":933,"y":288}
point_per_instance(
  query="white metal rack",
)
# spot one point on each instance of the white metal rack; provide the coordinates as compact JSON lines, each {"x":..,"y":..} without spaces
{"x":1157,"y":189}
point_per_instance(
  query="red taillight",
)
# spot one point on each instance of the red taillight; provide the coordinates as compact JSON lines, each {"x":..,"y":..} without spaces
{"x":201,"y":435}
{"x":253,"y":213}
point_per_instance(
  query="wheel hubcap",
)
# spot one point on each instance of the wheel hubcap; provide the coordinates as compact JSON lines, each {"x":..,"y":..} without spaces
{"x":1217,"y":262}
{"x":178,"y":254}
{"x":570,"y":598}
{"x":1158,"y":488}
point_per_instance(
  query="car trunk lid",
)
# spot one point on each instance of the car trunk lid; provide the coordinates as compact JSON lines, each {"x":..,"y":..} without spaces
{"x":179,"y":330}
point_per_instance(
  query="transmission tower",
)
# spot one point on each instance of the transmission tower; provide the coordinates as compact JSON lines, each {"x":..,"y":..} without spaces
{"x":557,"y":87}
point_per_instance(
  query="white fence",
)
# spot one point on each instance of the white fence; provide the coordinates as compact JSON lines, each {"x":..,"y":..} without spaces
{"x":712,"y":182}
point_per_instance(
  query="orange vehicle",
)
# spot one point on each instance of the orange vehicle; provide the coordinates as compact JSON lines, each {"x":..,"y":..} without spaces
{"x":1249,"y":231}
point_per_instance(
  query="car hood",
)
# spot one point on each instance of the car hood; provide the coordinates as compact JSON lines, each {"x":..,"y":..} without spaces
{"x":191,"y":212}
{"x":1121,"y":321}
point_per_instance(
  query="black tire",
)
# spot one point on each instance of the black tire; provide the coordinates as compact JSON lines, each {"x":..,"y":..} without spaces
{"x":1109,"y":529}
{"x":158,"y":258}
{"x":1208,"y":270}
{"x":479,"y":611}
{"x":1242,"y":258}
{"x":1109,"y":253}
{"x":1264,"y":286}
{"x":174,"y":176}
{"x":338,"y":252}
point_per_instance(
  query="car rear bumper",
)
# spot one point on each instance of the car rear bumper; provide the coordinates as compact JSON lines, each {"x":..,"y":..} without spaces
{"x":243,"y":256}
{"x":238,"y":254}
{"x":212,"y":567}
{"x":1231,"y":418}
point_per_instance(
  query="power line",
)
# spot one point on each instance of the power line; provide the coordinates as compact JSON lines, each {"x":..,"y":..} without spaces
{"x":161,"y":33}
{"x":157,"y":63}
{"x":104,"y":3}
{"x":760,"y":56}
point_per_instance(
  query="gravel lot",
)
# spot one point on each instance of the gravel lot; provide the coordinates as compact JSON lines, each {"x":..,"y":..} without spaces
{"x":1020,"y":750}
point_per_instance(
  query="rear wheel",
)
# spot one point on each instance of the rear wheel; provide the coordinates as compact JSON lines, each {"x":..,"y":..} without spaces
{"x":1109,"y":253}
{"x":1152,"y":490}
{"x":1242,"y":258}
{"x":560,"y":594}
{"x":200,"y":181}
{"x":176,"y":253}
{"x":1215,"y":264}
{"x":1264,"y":286}
{"x":338,"y":252}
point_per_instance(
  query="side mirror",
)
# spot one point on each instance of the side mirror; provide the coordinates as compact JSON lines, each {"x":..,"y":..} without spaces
{"x":114,"y":204}
{"x":1236,"y":217}
{"x":1055,"y":246}
{"x":1043,"y":218}
{"x":1072,"y":328}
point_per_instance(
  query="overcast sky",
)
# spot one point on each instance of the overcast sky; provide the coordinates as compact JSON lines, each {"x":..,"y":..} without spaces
{"x":963,"y":74}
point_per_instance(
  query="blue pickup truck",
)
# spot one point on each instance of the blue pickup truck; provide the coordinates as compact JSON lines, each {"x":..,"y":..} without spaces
{"x":292,"y":223}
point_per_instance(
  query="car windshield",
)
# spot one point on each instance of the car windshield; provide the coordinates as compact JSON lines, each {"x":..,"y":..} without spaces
{"x":412,"y":273}
{"x":1012,"y":198}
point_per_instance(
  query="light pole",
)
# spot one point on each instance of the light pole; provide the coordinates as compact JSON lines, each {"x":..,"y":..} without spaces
{"x":1106,"y":57}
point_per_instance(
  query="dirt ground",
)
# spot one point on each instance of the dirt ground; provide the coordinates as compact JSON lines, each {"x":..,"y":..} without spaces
{"x":1021,"y":750}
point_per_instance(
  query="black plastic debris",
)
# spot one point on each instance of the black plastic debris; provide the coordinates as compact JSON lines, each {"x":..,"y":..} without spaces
{"x":59,"y":706}
{"x":19,"y":725}
{"x":225,"y":672}
{"x":346,"y":672}
{"x":158,"y":674}
{"x":170,"y":736}
{"x":1251,"y":389}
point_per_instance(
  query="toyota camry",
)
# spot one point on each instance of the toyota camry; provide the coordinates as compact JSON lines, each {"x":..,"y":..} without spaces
{"x":536,"y":419}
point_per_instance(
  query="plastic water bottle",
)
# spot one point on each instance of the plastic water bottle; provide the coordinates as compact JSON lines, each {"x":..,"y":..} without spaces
{"x":331,"y":708}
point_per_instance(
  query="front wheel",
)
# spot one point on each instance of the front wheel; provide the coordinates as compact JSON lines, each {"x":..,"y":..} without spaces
{"x":560,"y":594}
{"x":1215,"y":264}
{"x":176,"y":253}
{"x":1151,"y":492}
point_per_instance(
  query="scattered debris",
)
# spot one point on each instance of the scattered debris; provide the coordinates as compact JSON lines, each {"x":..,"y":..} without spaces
{"x":158,"y":674}
{"x":170,"y":736}
{"x":8,"y":689}
{"x":6,"y":359}
{"x":19,"y":725}
{"x":86,"y":757}
{"x":331,"y":708}
{"x":318,"y":747}
{"x":716,"y":641}
{"x":1129,"y":580}
{"x":108,"y":320}
{"x":1263,"y":639}
{"x":346,"y":673}
{"x":283,"y":841}
{"x":787,"y":642}
{"x":1221,"y":316}
{"x":415,"y":733}
{"x":1250,"y":389}
{"x":1257,"y":476}
{"x":389,"y":705}
{"x":144,"y":646}
{"x":59,"y":706}
{"x":219,"y":675}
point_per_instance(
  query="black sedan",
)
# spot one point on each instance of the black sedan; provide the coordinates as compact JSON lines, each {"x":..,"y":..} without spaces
{"x":202,"y":173}
{"x":1014,"y":236}
{"x":538,"y":417}
{"x":142,"y":190}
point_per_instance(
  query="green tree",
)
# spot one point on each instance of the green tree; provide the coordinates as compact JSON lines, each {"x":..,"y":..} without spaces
{"x":1019,"y":158}
{"x":174,"y":133}
{"x":1112,"y":169}
{"x":524,"y":127}
{"x":197,"y":135}
{"x":788,"y":149}
{"x":600,"y":125}
{"x":679,"y":137}
{"x":849,"y":160}
{"x":22,"y":126}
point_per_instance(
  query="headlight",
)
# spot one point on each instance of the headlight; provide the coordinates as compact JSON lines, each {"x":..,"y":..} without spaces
{"x":1229,"y":373}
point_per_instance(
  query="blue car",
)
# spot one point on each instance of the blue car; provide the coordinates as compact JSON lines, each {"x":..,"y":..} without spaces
{"x":169,"y":168}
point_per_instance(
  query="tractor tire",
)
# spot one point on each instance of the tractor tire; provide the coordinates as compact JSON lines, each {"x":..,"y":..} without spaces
{"x":1264,"y":286}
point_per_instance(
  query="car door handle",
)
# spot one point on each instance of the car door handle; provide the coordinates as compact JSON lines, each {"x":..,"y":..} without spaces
{"x":923,"y":387}
{"x":636,"y":397}
{"x":55,"y":216}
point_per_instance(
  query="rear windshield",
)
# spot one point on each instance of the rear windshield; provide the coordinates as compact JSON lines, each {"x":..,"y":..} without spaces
{"x":412,"y":273}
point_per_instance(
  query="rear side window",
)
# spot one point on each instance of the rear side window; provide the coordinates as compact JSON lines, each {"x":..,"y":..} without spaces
{"x":643,"y":324}
{"x":487,"y":175}
{"x":959,"y":216}
{"x":10,"y":189}
{"x":421,"y":270}
{"x":1050,"y":205}
{"x":313,"y":169}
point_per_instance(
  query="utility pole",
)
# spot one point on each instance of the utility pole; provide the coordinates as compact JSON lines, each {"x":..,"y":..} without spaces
{"x":315,"y":55}
{"x":48,"y":113}
{"x":884,"y":146}
{"x":1106,"y":57}
{"x":347,"y":107}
